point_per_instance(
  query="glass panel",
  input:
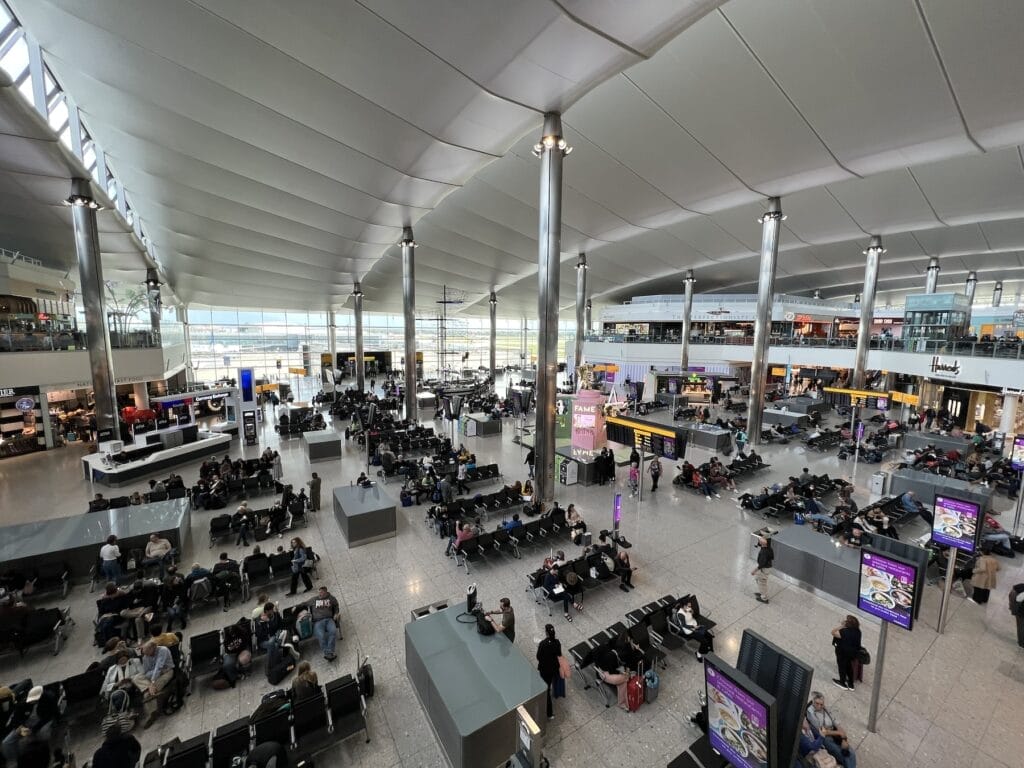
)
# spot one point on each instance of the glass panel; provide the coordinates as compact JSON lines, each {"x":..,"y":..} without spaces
{"x":59,"y":115}
{"x":15,"y":62}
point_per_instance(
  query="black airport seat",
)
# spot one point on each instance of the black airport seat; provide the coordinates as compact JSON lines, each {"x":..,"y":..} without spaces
{"x":230,"y":741}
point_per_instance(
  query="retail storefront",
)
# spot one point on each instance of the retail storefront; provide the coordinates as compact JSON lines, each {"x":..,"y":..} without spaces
{"x":23,"y":428}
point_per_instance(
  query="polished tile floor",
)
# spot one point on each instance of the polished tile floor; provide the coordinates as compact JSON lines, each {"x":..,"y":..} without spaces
{"x":951,"y":700}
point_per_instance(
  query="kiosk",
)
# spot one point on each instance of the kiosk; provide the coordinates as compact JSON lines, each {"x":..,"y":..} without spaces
{"x":364,"y":515}
{"x":322,"y":446}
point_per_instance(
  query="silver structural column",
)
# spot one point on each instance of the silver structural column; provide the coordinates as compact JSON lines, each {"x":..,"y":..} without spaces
{"x":332,"y":344}
{"x":684,"y":355}
{"x":771,"y":223}
{"x":409,"y":302}
{"x":186,"y":330}
{"x":493,"y":346}
{"x":153,"y":296}
{"x":581,"y":298}
{"x":90,"y":271}
{"x":867,"y":310}
{"x":551,"y":149}
{"x":997,"y":294}
{"x":588,"y":316}
{"x":932,"y":280}
{"x":969,"y":288}
{"x":357,"y":303}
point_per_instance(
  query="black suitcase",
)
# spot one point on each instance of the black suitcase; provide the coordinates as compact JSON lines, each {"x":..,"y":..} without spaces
{"x":1017,"y":544}
{"x":364,"y":676}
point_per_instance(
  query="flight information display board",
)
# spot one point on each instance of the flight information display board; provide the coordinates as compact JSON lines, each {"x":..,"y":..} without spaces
{"x":857,"y":398}
{"x":646,"y":437}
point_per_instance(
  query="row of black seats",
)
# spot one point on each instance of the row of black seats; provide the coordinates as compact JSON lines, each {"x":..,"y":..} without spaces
{"x":510,"y":539}
{"x":825,"y":440}
{"x":264,"y":568}
{"x":37,"y":626}
{"x":334,"y":712}
{"x":480,"y":505}
{"x":589,"y":571}
{"x":120,"y":502}
{"x":46,"y":576}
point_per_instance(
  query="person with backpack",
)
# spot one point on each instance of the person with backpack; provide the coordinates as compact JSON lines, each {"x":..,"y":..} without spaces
{"x":326,"y":613}
{"x":299,"y":564}
{"x":531,"y":458}
{"x":655,"y":470}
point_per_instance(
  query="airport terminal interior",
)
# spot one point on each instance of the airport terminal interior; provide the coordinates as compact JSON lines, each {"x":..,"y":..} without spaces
{"x":738,"y":282}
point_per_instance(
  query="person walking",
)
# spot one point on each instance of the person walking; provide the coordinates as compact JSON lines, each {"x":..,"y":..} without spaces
{"x":299,"y":559}
{"x":765,"y":556}
{"x":634,"y":479}
{"x":549,"y":650}
{"x":983,"y":579}
{"x":277,"y":471}
{"x":531,"y":457}
{"x":655,"y":470}
{"x":847,"y":640}
{"x":314,"y":492}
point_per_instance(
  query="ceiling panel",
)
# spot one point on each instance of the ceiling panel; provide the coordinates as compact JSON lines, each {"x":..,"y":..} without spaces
{"x":975,"y":188}
{"x":885,"y":203}
{"x":840,"y":77}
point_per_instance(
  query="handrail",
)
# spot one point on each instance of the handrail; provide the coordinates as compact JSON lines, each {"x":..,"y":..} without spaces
{"x":1006,"y":349}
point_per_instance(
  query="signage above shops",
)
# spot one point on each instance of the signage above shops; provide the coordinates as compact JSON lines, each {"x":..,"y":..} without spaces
{"x":1018,"y":318}
{"x":941,"y":366}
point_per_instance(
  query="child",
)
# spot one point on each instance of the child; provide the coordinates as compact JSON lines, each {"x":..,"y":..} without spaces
{"x":634,"y":479}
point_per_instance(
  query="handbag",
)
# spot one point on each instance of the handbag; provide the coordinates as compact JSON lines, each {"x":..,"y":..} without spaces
{"x":564,"y":670}
{"x":822,"y":759}
{"x":863,"y":656}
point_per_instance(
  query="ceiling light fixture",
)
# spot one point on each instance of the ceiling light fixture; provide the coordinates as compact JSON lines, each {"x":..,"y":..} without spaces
{"x":494,"y":298}
{"x":689,"y":277}
{"x":81,"y":195}
{"x":550,"y":142}
{"x":357,"y":290}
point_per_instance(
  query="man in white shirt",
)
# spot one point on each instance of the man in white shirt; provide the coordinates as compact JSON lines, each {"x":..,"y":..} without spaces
{"x":110,"y":559}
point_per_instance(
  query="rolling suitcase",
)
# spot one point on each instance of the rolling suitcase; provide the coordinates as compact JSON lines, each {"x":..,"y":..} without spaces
{"x":635,"y":692}
{"x":364,"y":676}
{"x":652,"y":685}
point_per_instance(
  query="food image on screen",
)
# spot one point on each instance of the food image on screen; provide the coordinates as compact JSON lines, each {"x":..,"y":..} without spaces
{"x":737,"y":722}
{"x":891,"y":597}
{"x":956,"y":523}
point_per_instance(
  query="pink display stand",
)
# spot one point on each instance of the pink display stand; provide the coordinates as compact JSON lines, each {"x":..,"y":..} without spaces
{"x":588,"y":420}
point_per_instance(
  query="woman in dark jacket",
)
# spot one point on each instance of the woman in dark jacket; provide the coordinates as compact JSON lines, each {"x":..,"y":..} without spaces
{"x":847,"y":640}
{"x":548,"y":652}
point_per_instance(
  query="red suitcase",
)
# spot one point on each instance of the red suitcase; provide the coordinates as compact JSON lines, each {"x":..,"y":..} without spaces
{"x":635,"y":692}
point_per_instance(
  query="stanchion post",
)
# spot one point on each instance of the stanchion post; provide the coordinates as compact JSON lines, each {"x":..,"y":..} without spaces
{"x":876,"y":685}
{"x":1016,"y":514}
{"x":947,"y":589}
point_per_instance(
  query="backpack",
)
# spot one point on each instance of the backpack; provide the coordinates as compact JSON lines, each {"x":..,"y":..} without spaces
{"x":304,"y":624}
{"x":200,"y":590}
{"x":572,"y":578}
{"x":272,"y":702}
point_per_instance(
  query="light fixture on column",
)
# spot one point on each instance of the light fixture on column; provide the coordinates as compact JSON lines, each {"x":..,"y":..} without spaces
{"x":817,"y":293}
{"x":407,"y":237}
{"x":856,"y":299}
{"x":581,"y":261}
{"x":357,"y":291}
{"x":689,"y":278}
{"x":152,"y":282}
{"x":771,"y":213}
{"x":493,"y":300}
{"x":874,"y":245}
{"x":551,"y":141}
{"x":81,"y":195}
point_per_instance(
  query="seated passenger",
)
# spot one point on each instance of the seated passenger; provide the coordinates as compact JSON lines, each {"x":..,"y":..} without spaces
{"x":687,"y":620}
{"x":555,"y":591}
{"x":512,"y":524}
{"x":835,"y":740}
{"x":912,"y":506}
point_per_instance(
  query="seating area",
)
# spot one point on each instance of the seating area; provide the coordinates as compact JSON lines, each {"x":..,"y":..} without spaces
{"x":36,"y":627}
{"x":591,"y":571}
{"x":336,"y":711}
{"x":643,"y":642}
{"x":267,"y":568}
{"x":510,"y":540}
{"x":410,"y":440}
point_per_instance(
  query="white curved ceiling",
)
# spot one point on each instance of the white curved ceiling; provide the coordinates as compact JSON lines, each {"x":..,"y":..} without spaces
{"x":274,"y":153}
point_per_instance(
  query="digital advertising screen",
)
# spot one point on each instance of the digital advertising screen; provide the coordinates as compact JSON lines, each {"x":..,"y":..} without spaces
{"x":887,"y":588}
{"x":246,"y":381}
{"x":1017,"y":454}
{"x":956,"y":523}
{"x":739,"y":720}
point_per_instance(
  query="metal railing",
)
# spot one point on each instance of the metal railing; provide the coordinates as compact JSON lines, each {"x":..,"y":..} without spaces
{"x":46,"y":340}
{"x":1007,"y":349}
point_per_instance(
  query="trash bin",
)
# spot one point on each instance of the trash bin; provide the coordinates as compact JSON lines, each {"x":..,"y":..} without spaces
{"x":879,"y":483}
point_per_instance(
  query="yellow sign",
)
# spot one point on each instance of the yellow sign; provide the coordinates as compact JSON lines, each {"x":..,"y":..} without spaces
{"x":260,"y":388}
{"x":903,"y":397}
{"x":606,"y":367}
{"x":325,"y":358}
{"x":297,"y":371}
{"x":639,"y":428}
{"x":778,"y":371}
{"x":858,"y":397}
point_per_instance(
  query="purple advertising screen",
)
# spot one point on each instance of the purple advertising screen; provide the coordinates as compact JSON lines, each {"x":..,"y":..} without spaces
{"x":738,"y":721}
{"x":1017,"y":455}
{"x":887,"y":588}
{"x":956,"y":523}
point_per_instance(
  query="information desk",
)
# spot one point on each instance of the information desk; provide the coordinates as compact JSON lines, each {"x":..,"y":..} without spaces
{"x":481,"y":425}
{"x":806,"y":405}
{"x":917,"y":440}
{"x":152,"y":460}
{"x":925,"y":485}
{"x":469,"y":686}
{"x":426,"y":400}
{"x":76,"y":540}
{"x":707,"y":436}
{"x":365,"y":515}
{"x":785,"y":418}
{"x":324,"y":445}
{"x":813,"y":559}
